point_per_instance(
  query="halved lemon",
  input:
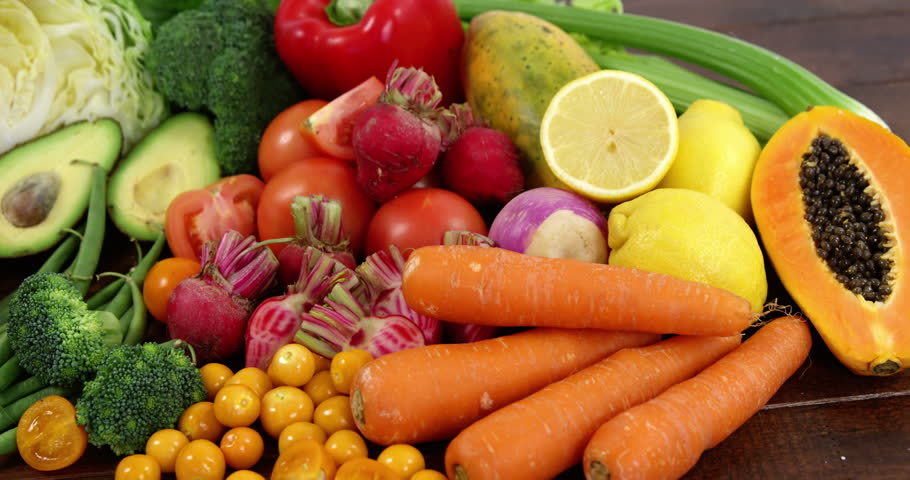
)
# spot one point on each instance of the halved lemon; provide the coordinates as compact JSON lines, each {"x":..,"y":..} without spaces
{"x":609,"y":135}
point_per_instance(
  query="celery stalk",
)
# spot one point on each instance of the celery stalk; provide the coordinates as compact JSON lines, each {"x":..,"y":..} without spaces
{"x":683,"y":87}
{"x":779,"y":80}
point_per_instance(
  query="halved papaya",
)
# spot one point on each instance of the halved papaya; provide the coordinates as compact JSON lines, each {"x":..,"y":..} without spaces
{"x":831,"y":198}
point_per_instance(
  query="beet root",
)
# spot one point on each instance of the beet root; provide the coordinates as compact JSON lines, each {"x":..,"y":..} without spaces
{"x":208,"y":318}
{"x":483,"y":167}
{"x":394,"y":149}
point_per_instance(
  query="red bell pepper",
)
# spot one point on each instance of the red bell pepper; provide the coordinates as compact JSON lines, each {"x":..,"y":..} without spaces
{"x":331,"y":47}
{"x":198,"y":216}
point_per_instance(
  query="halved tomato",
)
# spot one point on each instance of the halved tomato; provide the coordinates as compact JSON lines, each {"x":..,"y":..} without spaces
{"x":48,"y":437}
{"x":331,"y":125}
{"x":199,"y":216}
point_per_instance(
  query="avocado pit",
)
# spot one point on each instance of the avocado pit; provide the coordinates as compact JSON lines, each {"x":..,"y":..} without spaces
{"x":29,"y":201}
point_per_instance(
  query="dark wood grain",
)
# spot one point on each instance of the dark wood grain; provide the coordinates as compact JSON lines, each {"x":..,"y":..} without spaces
{"x":825,"y":423}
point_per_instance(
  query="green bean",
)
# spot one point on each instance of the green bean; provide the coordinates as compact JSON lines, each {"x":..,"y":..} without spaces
{"x":10,"y":414}
{"x":8,"y":442}
{"x":136,"y":330}
{"x":6,"y":349}
{"x":122,"y":300}
{"x":9,"y":372}
{"x":20,"y":389}
{"x":96,"y":217}
{"x":103,"y":296}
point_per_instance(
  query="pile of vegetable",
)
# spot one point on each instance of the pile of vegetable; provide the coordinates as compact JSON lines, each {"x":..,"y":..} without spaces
{"x":347,"y":201}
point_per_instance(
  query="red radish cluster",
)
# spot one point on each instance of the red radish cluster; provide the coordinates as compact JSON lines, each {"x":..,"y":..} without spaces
{"x":210,"y":311}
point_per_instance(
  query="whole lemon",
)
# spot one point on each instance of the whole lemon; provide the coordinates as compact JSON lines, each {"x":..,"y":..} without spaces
{"x":716,"y":155}
{"x":689,"y":235}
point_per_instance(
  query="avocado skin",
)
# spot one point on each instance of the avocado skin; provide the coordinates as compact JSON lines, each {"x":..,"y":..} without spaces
{"x":97,"y":141}
{"x":177,"y":156}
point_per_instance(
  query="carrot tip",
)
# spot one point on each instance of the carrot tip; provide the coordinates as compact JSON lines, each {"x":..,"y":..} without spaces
{"x":598,"y":471}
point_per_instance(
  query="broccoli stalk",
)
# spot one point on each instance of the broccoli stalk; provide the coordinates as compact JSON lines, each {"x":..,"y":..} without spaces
{"x":221,"y":59}
{"x":137,"y":391}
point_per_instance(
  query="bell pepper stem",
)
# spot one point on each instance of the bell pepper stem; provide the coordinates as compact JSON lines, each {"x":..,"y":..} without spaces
{"x":347,"y":12}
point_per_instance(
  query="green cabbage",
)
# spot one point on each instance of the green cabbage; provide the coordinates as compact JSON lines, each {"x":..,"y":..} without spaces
{"x":63,"y":61}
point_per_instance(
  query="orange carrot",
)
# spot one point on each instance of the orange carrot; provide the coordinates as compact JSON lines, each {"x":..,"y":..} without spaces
{"x":498,"y":287}
{"x":663,"y":438}
{"x":554,"y":424}
{"x":431,"y":393}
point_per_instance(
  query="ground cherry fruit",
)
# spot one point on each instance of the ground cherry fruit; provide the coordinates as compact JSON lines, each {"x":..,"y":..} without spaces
{"x":365,"y":469}
{"x":322,"y":363}
{"x":345,"y":365}
{"x":138,"y":467}
{"x":47,"y":435}
{"x":237,"y":405}
{"x":200,"y":422}
{"x":300,"y":431}
{"x":164,"y":446}
{"x":345,"y":445}
{"x":293,"y":364}
{"x":200,"y":460}
{"x":282,"y":406}
{"x":245,"y":475}
{"x":334,"y":414}
{"x":242,"y":447}
{"x":403,"y":459}
{"x":252,"y":377}
{"x":214,"y":375}
{"x":305,"y":459}
{"x":320,"y":387}
{"x":428,"y":474}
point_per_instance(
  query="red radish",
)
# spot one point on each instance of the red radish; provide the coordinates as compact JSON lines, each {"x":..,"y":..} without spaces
{"x":480,"y":164}
{"x":317,"y":223}
{"x":397,"y":140}
{"x":467,"y":332}
{"x":551,"y":222}
{"x":344,"y":323}
{"x":381,"y":272}
{"x":276,"y":320}
{"x":210,"y":310}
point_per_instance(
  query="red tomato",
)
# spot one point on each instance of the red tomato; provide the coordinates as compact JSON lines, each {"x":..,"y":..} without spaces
{"x":203,"y":215}
{"x":330,"y":127}
{"x":327,"y":176}
{"x":284,"y":143}
{"x":420,"y":217}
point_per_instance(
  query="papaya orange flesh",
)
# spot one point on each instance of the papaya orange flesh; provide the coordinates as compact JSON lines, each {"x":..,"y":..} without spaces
{"x":839,"y":235}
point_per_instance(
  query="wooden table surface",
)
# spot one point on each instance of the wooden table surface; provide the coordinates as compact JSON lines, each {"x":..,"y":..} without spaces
{"x":825,"y":423}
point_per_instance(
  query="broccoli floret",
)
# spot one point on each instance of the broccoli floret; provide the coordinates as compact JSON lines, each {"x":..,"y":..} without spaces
{"x":221,"y":59}
{"x":137,"y":391}
{"x":56,"y":337}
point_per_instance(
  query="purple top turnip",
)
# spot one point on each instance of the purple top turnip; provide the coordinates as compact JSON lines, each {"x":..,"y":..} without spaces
{"x":551,"y":222}
{"x":210,"y":310}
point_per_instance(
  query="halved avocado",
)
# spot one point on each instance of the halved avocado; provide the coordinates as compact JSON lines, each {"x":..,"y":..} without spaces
{"x":176,"y":156}
{"x":44,"y":191}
